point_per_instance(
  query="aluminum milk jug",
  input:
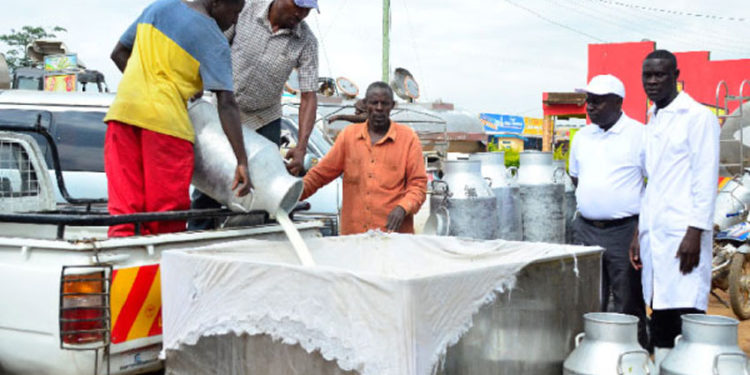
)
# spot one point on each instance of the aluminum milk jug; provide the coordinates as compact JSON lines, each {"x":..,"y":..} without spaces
{"x":708,"y":345}
{"x":462,"y":203}
{"x":541,"y":198}
{"x":537,"y":168}
{"x":274,"y":187}
{"x":608,"y":346}
{"x":733,"y":201}
{"x":570,"y":205}
{"x":502,"y":180}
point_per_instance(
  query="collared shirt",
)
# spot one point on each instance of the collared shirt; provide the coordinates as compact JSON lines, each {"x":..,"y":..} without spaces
{"x":682,"y":164}
{"x":176,"y":53}
{"x":377,"y":178}
{"x":263,"y":60}
{"x":609,"y":168}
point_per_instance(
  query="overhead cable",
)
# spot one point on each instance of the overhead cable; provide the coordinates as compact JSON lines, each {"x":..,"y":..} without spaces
{"x":415,"y":47}
{"x":645,"y":26}
{"x":554,"y":22}
{"x":672,"y":11}
{"x":323,"y":47}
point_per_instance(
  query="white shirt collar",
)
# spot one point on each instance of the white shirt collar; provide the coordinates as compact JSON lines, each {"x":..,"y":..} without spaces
{"x":616,"y":128}
{"x":680,"y":103}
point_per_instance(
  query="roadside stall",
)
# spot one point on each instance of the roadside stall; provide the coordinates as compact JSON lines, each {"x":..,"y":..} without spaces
{"x":558,"y":106}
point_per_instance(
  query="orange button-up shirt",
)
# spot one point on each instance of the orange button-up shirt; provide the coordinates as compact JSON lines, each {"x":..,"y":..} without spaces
{"x":377,"y":178}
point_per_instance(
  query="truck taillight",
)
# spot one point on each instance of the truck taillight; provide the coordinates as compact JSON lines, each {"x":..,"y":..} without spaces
{"x":84,"y":307}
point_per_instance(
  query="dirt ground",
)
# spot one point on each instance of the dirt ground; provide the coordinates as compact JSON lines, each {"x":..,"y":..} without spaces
{"x":716,"y":308}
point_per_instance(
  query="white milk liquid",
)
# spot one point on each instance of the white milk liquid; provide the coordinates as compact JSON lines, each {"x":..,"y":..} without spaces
{"x":303,"y":253}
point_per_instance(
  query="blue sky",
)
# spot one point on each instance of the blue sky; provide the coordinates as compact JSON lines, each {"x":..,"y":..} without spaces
{"x":484,"y":55}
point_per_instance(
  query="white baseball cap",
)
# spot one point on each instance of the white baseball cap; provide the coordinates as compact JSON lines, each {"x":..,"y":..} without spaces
{"x":605,"y":84}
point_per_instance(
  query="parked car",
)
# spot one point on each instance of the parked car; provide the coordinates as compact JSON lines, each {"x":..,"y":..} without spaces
{"x":74,"y":120}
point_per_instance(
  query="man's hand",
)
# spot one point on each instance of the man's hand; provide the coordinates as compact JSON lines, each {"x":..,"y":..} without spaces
{"x":229,"y":114}
{"x":241,"y":184}
{"x":295,"y":166}
{"x":395,"y":219}
{"x":690,"y":250}
{"x":197,"y":96}
{"x":635,"y":251}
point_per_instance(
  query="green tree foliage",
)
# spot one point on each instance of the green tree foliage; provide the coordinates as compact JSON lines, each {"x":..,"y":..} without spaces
{"x":562,"y":152}
{"x":493,"y":147}
{"x":511,"y":156}
{"x":17,"y":40}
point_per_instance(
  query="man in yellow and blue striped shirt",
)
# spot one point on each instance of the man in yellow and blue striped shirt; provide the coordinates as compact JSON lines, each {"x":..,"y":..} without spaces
{"x":173,"y":51}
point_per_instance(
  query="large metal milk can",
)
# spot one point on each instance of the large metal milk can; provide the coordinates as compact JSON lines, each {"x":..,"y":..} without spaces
{"x":537,"y":168}
{"x":273,"y":187}
{"x":503,"y":183}
{"x":462,"y":203}
{"x":569,"y":199}
{"x":708,"y":345}
{"x":609,"y":345}
{"x":541,"y":198}
{"x":733,"y":201}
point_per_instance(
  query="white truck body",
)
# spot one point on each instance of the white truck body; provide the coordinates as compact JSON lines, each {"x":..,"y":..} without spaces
{"x":30,"y":277}
{"x":39,"y":262}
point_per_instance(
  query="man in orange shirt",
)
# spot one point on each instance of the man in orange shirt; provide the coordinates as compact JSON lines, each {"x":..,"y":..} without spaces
{"x":385,"y":182}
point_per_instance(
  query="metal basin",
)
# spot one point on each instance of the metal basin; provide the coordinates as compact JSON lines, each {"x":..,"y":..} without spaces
{"x":245,"y":354}
{"x":529,"y":330}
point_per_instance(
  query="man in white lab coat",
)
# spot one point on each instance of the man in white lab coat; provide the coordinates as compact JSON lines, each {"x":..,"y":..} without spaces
{"x":676,"y":222}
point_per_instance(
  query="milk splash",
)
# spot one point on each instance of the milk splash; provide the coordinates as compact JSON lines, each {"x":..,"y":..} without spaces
{"x":299,"y":245}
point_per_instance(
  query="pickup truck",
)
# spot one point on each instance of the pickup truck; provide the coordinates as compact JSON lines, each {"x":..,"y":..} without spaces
{"x":73,"y":301}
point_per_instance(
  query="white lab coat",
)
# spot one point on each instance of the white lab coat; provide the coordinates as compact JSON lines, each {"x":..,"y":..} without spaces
{"x":682,"y":166}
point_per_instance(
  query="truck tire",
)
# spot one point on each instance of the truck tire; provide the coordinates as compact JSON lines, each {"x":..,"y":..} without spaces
{"x":739,"y":280}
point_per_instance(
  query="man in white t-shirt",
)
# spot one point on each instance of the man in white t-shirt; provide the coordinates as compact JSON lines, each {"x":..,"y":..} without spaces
{"x":606,"y":165}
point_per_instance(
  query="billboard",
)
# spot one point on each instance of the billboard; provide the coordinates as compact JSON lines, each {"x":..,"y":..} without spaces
{"x":533,"y":126}
{"x":56,"y":63}
{"x":60,"y":83}
{"x":496,"y":123}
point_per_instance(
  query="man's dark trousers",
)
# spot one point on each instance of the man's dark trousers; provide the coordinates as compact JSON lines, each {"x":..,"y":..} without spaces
{"x":618,"y":275}
{"x":272,"y":132}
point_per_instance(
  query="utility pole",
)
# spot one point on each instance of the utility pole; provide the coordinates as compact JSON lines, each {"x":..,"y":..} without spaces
{"x":386,"y":39}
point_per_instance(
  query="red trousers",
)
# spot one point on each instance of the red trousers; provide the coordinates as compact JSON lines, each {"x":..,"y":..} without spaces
{"x":146,"y":172}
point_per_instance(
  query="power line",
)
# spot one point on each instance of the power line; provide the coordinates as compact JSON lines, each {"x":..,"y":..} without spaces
{"x":652,"y":28}
{"x":671,"y":11}
{"x":555,"y":22}
{"x":414,"y":43}
{"x":335,"y":18}
{"x":709,"y":36}
{"x":656,"y":29}
{"x":323,"y":47}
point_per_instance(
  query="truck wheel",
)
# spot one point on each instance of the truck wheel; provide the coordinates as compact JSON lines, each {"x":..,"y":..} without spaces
{"x":739,"y":286}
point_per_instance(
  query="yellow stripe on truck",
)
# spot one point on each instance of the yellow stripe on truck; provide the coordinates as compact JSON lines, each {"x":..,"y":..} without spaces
{"x":120,"y":289}
{"x":148,"y":312}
